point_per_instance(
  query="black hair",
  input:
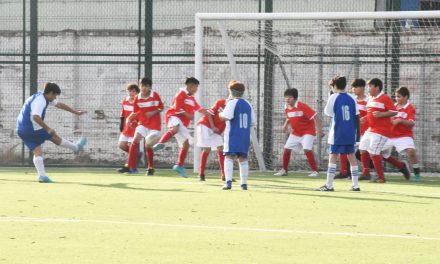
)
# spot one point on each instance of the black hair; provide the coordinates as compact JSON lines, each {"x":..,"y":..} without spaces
{"x":376,"y":82}
{"x":191,"y":80}
{"x":403,"y":91}
{"x":51,"y":87}
{"x":339,"y":82}
{"x":291,"y":92}
{"x":145,"y":81}
{"x":358,"y":83}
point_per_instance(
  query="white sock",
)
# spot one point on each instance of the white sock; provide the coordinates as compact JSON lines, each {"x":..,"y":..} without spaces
{"x":67,"y":144}
{"x":244,"y":171}
{"x":355,"y":176}
{"x":39,"y":165}
{"x":229,"y":169}
{"x":330,"y":175}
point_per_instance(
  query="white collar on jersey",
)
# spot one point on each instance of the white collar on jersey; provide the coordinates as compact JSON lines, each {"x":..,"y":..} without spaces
{"x":286,"y":106}
{"x":377,"y":96}
{"x":405,"y":106}
{"x":151,"y":94}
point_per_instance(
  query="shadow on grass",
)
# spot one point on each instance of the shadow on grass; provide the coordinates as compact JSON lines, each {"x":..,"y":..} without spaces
{"x":112,"y":185}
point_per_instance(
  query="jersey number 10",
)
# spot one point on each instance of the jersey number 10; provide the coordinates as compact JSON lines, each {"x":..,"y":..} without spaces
{"x":243,"y":121}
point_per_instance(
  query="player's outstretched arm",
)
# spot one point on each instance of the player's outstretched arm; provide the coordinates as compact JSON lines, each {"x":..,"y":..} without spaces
{"x":69,"y":109}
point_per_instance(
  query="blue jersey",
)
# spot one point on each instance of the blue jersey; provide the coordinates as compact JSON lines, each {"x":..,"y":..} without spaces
{"x":34,"y":105}
{"x":342,"y":108}
{"x":237,"y":135}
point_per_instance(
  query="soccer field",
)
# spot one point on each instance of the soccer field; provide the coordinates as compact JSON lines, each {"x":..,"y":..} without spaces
{"x":98,"y":216}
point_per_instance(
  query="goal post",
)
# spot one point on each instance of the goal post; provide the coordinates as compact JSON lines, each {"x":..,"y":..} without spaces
{"x":304,"y":51}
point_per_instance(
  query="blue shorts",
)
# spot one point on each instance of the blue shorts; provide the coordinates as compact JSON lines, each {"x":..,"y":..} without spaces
{"x":341,"y":149}
{"x":236,"y":154}
{"x":33,"y":139}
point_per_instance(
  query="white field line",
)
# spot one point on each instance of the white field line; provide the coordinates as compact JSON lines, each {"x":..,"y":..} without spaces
{"x":224,"y":228}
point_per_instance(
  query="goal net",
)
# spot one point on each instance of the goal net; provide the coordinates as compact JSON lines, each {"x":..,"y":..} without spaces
{"x":272,"y":52}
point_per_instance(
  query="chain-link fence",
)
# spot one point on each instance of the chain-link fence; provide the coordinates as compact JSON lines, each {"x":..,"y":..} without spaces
{"x":92,"y":49}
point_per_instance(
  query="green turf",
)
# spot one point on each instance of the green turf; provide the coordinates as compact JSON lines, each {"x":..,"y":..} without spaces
{"x":168,"y":219}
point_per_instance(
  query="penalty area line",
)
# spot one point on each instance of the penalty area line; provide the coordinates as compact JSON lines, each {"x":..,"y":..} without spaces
{"x":223,"y":228}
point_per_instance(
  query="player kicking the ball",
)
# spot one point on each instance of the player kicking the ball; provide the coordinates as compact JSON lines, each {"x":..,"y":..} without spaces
{"x":32,"y":129}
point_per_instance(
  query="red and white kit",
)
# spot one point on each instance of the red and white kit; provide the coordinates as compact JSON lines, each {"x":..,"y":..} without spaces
{"x":127,"y":133}
{"x":182,"y":103}
{"x":379,"y":128}
{"x":206,"y":137}
{"x":302,"y":123}
{"x":148,"y":126}
{"x":402,"y":137}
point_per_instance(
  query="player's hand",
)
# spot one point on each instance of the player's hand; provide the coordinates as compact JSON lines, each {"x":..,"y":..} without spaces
{"x":203,"y":111}
{"x":51,"y":131}
{"x":321,"y":133}
{"x":150,"y":114}
{"x":396,"y":121}
{"x":80,"y":112}
{"x":216,"y":130}
{"x":285,"y":129}
{"x":363,"y":120}
{"x":377,"y":114}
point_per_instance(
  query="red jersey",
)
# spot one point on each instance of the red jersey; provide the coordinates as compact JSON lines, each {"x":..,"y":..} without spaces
{"x":182,"y":103}
{"x":407,"y":112}
{"x":381,"y":125}
{"x":362,"y":104}
{"x":141,"y":106}
{"x":127,"y":109}
{"x":214,"y":111}
{"x":301,"y":119}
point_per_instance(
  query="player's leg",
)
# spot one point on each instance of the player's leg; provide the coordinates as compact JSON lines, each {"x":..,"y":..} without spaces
{"x":124,"y":145}
{"x":229,"y":169}
{"x":293,"y":142}
{"x":307,"y":144}
{"x":39,"y":165}
{"x":221,"y":161}
{"x":376,"y":145}
{"x":133,"y":152}
{"x":343,"y":171}
{"x":354,"y":169}
{"x":243,"y":165}
{"x":174,"y":125}
{"x":183,"y":152}
{"x":75,"y":147}
{"x":203,"y":159}
{"x":331,"y":170}
{"x":365,"y":156}
{"x":150,"y":140}
{"x":412,"y":156}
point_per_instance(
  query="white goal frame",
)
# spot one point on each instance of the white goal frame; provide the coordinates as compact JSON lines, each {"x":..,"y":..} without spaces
{"x":200,"y":17}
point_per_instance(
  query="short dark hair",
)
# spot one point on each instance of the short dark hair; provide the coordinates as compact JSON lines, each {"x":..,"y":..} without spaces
{"x":145,"y":81}
{"x":51,"y":87}
{"x":403,"y":91}
{"x":291,"y":92}
{"x":133,"y":86}
{"x":339,"y":81}
{"x":193,"y":80}
{"x":358,"y":83}
{"x":376,"y":82}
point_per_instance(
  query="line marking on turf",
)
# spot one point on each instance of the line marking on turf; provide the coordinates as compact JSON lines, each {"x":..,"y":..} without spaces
{"x":227,"y":228}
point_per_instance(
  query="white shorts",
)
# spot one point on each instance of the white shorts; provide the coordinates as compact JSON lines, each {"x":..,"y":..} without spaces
{"x":206,"y":138}
{"x":148,"y":134}
{"x":400,"y":144}
{"x":183,"y":133}
{"x":125,"y":138}
{"x":372,"y":142}
{"x":297,"y":144}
